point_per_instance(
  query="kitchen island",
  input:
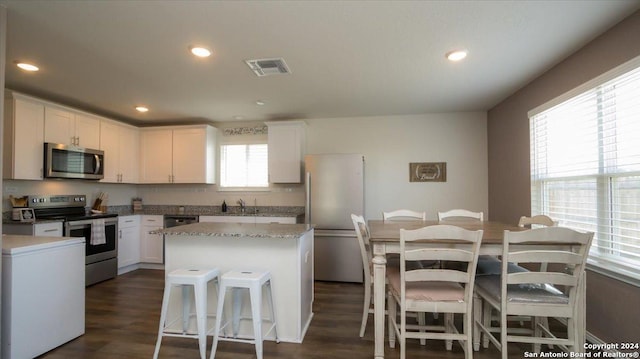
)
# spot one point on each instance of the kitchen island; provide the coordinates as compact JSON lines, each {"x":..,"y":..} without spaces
{"x":285,"y":250}
{"x":42,"y":293}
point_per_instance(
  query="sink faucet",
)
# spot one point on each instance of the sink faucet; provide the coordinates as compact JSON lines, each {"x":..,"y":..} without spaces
{"x":242,"y":205}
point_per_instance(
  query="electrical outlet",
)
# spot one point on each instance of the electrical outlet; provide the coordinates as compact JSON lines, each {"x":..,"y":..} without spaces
{"x":10,"y":190}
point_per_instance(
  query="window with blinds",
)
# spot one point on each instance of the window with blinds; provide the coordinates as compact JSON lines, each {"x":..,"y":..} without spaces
{"x":244,"y":165}
{"x":585,"y":167}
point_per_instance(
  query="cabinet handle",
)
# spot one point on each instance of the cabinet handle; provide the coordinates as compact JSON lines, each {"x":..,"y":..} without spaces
{"x":50,"y":230}
{"x":120,"y":234}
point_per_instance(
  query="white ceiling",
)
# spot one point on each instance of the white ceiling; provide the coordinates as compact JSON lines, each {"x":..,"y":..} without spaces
{"x":348,"y":58}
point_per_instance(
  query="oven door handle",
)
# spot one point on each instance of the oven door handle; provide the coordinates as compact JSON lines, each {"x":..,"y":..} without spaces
{"x":109,"y":221}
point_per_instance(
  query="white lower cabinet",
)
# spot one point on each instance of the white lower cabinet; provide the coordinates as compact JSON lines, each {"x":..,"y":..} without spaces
{"x":248,"y":219}
{"x":47,"y":229}
{"x":151,"y":245}
{"x":128,"y":241}
{"x":53,"y":229}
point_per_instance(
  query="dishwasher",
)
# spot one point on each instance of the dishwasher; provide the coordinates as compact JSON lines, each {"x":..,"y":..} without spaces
{"x":174,"y":220}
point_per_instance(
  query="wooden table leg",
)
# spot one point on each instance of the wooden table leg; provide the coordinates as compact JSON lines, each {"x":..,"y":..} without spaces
{"x":379,"y":266}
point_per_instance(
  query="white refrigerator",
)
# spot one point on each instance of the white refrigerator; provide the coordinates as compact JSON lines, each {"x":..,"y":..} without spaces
{"x":335,"y":190}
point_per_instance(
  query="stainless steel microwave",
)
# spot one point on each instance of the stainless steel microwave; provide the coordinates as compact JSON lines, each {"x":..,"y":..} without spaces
{"x":62,"y":161}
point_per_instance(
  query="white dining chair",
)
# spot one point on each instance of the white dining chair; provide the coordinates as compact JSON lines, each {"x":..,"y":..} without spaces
{"x":447,"y":291}
{"x":362,"y":232}
{"x":393,"y":263}
{"x":533,"y":293}
{"x":538,"y":220}
{"x":403,"y":214}
{"x":460,"y":213}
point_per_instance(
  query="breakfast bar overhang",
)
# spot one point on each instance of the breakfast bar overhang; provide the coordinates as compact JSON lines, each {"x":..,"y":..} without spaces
{"x":285,"y":250}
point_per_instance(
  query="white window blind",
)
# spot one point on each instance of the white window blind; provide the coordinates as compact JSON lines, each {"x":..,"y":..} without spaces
{"x":244,"y":165}
{"x":585,"y":169}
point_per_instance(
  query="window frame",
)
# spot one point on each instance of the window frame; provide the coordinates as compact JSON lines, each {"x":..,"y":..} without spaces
{"x":604,"y":181}
{"x":244,"y":142}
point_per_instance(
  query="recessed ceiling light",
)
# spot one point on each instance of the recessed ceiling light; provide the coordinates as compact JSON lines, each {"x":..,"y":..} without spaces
{"x":238,"y":117}
{"x":200,"y":51}
{"x":260,"y":103}
{"x":27,"y":67}
{"x":142,"y":109}
{"x":456,"y":55}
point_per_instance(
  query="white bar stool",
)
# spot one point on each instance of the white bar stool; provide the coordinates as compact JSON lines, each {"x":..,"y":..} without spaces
{"x":187,"y":279}
{"x":253,"y":281}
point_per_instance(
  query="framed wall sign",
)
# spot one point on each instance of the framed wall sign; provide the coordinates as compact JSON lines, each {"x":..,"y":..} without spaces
{"x":427,"y":172}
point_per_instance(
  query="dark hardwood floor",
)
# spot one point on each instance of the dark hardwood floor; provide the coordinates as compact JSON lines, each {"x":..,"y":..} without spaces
{"x":122,"y":322}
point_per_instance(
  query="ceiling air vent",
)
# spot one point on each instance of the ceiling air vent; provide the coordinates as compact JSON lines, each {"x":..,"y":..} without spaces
{"x":264,"y":67}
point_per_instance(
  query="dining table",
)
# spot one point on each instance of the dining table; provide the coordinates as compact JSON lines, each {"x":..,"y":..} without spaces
{"x":385,"y":239}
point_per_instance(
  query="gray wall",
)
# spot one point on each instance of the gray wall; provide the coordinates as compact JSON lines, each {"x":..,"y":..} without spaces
{"x":613,"y":313}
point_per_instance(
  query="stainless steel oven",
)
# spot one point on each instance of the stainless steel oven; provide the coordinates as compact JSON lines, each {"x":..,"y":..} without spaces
{"x":101,"y":252}
{"x":101,"y":258}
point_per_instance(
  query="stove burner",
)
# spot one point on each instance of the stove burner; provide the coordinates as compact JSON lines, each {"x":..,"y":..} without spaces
{"x":64,"y":207}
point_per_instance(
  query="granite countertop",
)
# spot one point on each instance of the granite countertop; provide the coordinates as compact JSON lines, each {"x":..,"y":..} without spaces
{"x":37,"y":221}
{"x":253,"y":230}
{"x":260,"y":211}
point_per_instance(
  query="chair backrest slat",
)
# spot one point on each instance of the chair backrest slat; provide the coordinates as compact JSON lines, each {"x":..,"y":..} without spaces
{"x":404,"y":214}
{"x":546,"y":256}
{"x":446,"y":254}
{"x":461,"y":213}
{"x":542,"y":278}
{"x":436,"y":275}
{"x":540,"y":219}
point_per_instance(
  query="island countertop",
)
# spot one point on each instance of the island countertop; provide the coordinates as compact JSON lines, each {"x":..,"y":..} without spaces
{"x":252,"y":230}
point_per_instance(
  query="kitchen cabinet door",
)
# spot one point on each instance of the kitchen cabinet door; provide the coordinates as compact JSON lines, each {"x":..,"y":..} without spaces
{"x":156,"y":164}
{"x":87,"y":131}
{"x":129,"y":154}
{"x":181,"y":154}
{"x":23,"y":138}
{"x":286,"y":151}
{"x":128,"y":240}
{"x":193,"y":160}
{"x":121,"y":152}
{"x":151,"y":245}
{"x":110,"y":144}
{"x":64,"y":126}
{"x":59,"y":126}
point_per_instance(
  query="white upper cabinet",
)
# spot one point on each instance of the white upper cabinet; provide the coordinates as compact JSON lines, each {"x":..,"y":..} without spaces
{"x":61,"y":125}
{"x":120,"y":144}
{"x":23,"y":144}
{"x":286,"y":151}
{"x":155,"y":155}
{"x":179,"y":154}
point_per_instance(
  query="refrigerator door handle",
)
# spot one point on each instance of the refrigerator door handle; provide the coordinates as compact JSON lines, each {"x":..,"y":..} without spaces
{"x":307,"y":209}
